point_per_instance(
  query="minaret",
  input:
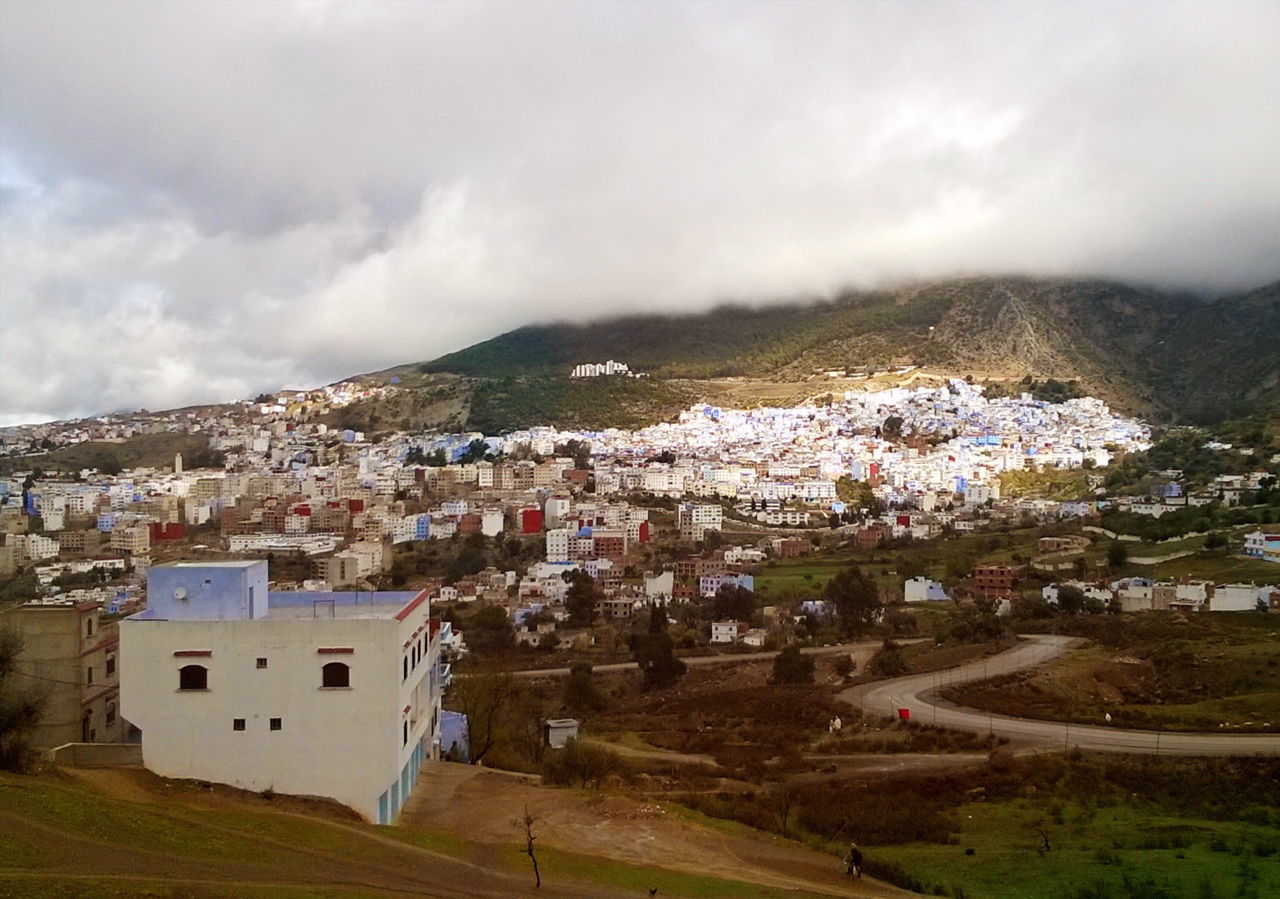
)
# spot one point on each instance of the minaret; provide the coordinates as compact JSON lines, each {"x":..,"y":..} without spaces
{"x":177,"y":463}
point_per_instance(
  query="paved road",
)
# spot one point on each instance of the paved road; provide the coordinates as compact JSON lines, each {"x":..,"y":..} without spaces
{"x":865,"y":649}
{"x":915,"y":693}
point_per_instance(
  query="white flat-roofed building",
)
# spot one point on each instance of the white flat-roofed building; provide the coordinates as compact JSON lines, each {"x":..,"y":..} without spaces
{"x":328,"y":694}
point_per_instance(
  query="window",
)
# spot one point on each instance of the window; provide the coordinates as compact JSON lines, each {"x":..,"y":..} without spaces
{"x":276,"y":724}
{"x":88,"y":675}
{"x":193,"y":677}
{"x":335,"y":674}
{"x":111,"y":713}
{"x":406,"y":668}
{"x":111,"y":665}
{"x":88,"y":627}
{"x":262,"y":663}
{"x":406,"y":733}
{"x":237,"y":724}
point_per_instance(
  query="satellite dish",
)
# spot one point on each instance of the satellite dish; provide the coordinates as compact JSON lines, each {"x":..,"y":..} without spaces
{"x":180,"y":593}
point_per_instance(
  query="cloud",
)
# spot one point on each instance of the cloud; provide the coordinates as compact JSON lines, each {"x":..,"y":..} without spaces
{"x":202,"y":200}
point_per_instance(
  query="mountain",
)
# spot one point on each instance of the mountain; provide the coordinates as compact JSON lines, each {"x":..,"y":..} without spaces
{"x":1170,"y":356}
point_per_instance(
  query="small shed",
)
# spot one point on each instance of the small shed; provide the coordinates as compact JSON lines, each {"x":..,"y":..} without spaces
{"x":559,"y":731}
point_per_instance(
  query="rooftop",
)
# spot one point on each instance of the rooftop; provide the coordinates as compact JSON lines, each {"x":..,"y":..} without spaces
{"x":324,"y":604}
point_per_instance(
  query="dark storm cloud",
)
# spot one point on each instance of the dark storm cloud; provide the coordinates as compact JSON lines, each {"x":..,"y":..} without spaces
{"x":201,"y":200}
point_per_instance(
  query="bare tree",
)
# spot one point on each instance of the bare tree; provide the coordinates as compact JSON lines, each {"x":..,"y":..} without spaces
{"x":526,"y":824}
{"x":780,"y":801}
{"x":483,"y":698}
{"x":20,"y":708}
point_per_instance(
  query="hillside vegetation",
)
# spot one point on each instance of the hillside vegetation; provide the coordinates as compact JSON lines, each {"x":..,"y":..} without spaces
{"x":144,"y":450}
{"x":1168,"y":355}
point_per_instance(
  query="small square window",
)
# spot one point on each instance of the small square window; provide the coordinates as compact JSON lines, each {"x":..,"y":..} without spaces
{"x":262,"y":663}
{"x":237,"y":724}
{"x":275,"y":724}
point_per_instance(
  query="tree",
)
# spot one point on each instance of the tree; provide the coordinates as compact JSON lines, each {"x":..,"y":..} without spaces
{"x":580,"y":601}
{"x":580,"y":693}
{"x":483,"y":698}
{"x":20,"y":710}
{"x":658,"y":618}
{"x":892,"y":429}
{"x":526,"y":824}
{"x":856,"y":600}
{"x":655,"y":654}
{"x":1215,"y":540}
{"x":490,"y":628}
{"x":1117,"y":554}
{"x":733,"y":603}
{"x":791,"y":667}
{"x":1070,"y":599}
{"x":475,"y":452}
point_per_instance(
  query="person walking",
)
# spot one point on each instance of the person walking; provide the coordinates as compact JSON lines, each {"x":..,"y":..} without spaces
{"x":854,"y":861}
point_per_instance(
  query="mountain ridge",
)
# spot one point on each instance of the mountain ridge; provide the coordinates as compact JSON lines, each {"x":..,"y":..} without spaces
{"x":1165,"y":354}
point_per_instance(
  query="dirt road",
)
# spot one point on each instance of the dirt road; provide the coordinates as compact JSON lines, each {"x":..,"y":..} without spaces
{"x":482,"y":805}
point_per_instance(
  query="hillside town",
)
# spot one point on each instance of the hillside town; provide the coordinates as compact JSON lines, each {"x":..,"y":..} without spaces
{"x":309,"y":546}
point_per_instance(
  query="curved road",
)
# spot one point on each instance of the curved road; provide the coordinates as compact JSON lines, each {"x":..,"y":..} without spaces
{"x":915,"y":692}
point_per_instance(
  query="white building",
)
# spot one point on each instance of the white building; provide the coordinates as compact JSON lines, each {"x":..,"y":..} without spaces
{"x":329,"y":694}
{"x":921,"y":589}
{"x":728,"y":631}
{"x":695,"y":520}
{"x":558,"y":544}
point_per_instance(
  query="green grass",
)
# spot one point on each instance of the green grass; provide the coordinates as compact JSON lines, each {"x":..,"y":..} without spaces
{"x":60,"y":887}
{"x":1220,"y":568}
{"x":591,"y":403}
{"x":1162,"y":855}
{"x":557,"y":865}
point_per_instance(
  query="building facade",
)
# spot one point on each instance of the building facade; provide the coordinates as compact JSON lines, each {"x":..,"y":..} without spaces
{"x":328,"y":694}
{"x":70,"y":658}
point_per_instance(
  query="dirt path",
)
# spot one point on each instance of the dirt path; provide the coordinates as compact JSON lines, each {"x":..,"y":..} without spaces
{"x":482,"y":805}
{"x":652,"y":755}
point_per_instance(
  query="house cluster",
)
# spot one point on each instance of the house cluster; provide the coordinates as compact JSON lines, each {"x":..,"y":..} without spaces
{"x":943,"y":441}
{"x":1139,"y":594}
{"x":1226,"y":489}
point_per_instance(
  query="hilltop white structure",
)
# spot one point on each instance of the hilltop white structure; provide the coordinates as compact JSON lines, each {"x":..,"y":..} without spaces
{"x":329,"y":694}
{"x":601,"y":369}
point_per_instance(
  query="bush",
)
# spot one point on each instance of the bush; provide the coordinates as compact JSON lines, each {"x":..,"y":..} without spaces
{"x":580,"y":764}
{"x":792,"y":667}
{"x":888,"y":660}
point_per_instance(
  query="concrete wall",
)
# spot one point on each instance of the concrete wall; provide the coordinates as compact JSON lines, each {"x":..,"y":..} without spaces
{"x":96,"y":755}
{"x":208,"y":592}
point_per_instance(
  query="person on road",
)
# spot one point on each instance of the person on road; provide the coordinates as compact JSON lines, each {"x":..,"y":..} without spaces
{"x":854,"y":861}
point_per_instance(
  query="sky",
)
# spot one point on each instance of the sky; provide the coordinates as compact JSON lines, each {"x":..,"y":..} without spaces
{"x":202,"y":201}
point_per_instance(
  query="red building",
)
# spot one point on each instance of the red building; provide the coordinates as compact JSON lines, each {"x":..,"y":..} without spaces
{"x":174,"y":530}
{"x":530,"y":520}
{"x":995,"y":580}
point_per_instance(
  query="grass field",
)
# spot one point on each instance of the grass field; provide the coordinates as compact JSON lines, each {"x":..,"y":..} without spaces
{"x":1219,"y":568}
{"x":1102,"y":852}
{"x":805,"y":577}
{"x":60,"y":836}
